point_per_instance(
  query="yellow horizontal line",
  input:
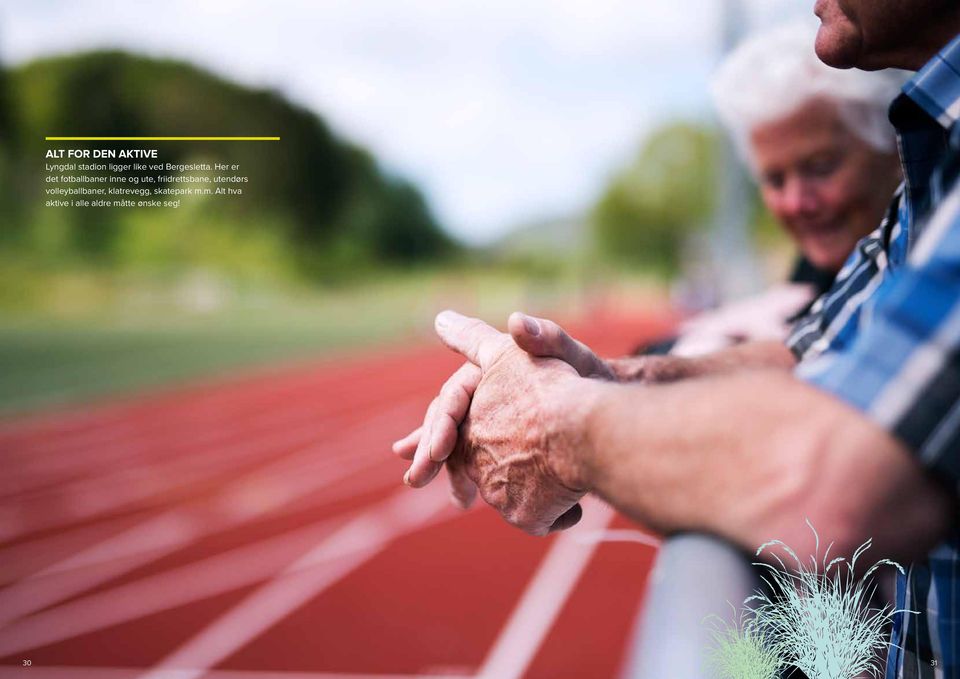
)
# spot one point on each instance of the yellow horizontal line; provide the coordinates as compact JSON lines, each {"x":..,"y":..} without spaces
{"x":162,"y":138}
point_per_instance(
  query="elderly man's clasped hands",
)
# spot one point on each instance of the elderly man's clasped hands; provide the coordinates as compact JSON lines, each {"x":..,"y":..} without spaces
{"x":505,"y":422}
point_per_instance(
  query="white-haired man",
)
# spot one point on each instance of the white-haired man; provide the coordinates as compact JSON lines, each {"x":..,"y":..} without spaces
{"x":863,"y":437}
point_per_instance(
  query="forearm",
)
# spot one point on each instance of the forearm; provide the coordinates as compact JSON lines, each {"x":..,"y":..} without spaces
{"x":748,"y":356}
{"x":749,"y":457}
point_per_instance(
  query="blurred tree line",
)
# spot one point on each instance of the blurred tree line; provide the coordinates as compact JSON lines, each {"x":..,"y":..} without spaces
{"x":651,"y":206}
{"x":664,"y":198}
{"x":315,"y":207}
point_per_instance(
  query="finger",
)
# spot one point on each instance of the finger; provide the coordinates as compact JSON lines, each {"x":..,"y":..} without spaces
{"x":568,"y":519}
{"x":406,"y":446}
{"x":422,"y":474}
{"x":543,"y":337}
{"x":453,"y":404}
{"x":475,"y":340}
{"x":463,"y":491}
{"x":439,"y":431}
{"x":422,"y":470}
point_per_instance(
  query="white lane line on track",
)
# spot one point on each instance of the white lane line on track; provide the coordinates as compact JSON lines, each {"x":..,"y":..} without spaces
{"x":102,"y":496}
{"x":620,"y":535}
{"x":194,"y":451}
{"x":549,"y":589}
{"x":55,"y":672}
{"x":361,"y":539}
{"x":242,"y":566}
{"x":92,"y":566}
{"x":163,"y":535}
{"x":246,"y":399}
{"x":208,"y":577}
{"x":180,"y":426}
{"x":138,"y":440}
{"x":140,"y":445}
{"x":20,"y":560}
{"x":94,"y":419}
{"x":274,"y":485}
{"x":135,"y":425}
{"x":103,"y":493}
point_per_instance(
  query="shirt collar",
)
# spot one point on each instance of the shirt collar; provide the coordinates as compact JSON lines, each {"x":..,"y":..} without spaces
{"x":936,"y":87}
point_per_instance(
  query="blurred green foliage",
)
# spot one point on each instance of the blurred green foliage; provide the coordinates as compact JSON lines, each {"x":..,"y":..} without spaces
{"x":651,"y":206}
{"x":665,"y":196}
{"x":315,"y":208}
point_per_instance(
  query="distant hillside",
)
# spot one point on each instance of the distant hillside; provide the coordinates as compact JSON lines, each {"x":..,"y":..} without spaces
{"x":559,"y":237}
{"x":315,"y":201}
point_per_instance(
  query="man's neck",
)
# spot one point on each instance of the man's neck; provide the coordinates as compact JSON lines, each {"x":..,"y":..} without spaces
{"x":927,"y":45}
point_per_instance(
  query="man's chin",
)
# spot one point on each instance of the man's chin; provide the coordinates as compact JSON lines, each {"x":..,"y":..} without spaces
{"x":827,"y":251}
{"x":836,"y":50}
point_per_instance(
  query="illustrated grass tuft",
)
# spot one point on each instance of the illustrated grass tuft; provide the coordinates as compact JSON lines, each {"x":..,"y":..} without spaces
{"x":822,"y":621}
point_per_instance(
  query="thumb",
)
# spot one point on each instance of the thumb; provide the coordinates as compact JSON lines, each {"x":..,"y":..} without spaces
{"x":544,"y":338}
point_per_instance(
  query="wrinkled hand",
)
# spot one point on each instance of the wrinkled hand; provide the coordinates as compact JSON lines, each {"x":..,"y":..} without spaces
{"x":431,"y":443}
{"x":513,"y":445}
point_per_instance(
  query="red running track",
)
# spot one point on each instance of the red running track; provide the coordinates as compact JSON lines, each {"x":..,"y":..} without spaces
{"x":258,"y":528}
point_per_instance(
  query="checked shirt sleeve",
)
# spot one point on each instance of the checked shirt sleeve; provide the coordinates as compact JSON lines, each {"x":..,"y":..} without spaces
{"x":903,"y":368}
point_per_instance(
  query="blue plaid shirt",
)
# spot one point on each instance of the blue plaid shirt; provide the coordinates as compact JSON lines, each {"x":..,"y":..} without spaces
{"x":886,"y":339}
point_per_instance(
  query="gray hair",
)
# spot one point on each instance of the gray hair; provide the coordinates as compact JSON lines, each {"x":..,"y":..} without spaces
{"x":773,"y":74}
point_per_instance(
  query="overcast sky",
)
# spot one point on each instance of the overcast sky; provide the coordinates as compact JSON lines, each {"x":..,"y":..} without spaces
{"x":502,"y":111}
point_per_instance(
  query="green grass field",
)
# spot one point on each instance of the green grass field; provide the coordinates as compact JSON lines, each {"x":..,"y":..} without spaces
{"x":138,"y":342}
{"x":45,"y":362}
